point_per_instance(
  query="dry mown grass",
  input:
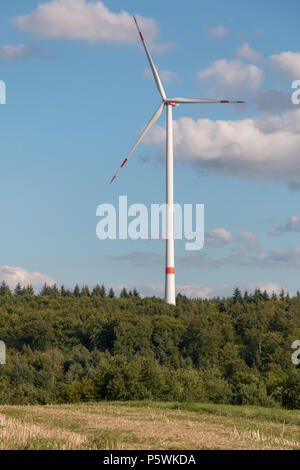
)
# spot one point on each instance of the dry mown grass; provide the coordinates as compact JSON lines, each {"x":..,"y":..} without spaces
{"x":149,"y":426}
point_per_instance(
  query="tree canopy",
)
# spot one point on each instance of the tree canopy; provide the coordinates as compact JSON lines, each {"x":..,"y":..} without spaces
{"x":87,"y":344}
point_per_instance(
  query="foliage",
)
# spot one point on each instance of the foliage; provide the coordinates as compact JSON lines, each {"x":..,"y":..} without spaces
{"x":82,"y":345}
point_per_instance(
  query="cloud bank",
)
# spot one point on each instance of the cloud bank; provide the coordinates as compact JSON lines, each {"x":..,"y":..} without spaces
{"x":288,"y":63}
{"x":199,"y":291}
{"x":14,"y":275}
{"x":244,"y":78}
{"x":278,"y":258}
{"x":259,"y":148}
{"x":218,"y":237}
{"x":89,"y":21}
{"x":292,"y":225}
{"x":232,"y":76}
{"x":246,"y":52}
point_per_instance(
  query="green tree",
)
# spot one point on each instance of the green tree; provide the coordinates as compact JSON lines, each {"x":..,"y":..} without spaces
{"x":85,"y":291}
{"x":5,"y":290}
{"x":19,"y":289}
{"x":29,"y":290}
{"x":124,"y":293}
{"x":76,"y":291}
{"x":237,"y":296}
{"x":111,"y":293}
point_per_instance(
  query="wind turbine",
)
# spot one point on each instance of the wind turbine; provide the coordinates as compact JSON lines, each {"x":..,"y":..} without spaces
{"x":169,"y":103}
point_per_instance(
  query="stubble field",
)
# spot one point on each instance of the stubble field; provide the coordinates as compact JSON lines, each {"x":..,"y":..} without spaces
{"x":140,"y":425}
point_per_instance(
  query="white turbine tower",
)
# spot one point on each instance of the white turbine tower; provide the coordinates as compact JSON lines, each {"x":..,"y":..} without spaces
{"x":169,"y":103}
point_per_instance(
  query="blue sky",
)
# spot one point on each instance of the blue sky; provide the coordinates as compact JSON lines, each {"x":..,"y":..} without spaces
{"x":77,"y":97}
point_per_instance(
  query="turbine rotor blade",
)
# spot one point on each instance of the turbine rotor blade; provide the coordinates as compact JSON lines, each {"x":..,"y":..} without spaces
{"x":154,"y":71}
{"x":196,"y":100}
{"x":152,"y":121}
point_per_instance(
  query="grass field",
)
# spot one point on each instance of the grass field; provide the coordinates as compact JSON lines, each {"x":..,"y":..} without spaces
{"x":147,"y":425}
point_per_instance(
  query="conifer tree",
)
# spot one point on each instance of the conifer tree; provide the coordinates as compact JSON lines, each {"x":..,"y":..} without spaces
{"x":4,"y":289}
{"x":76,"y":291}
{"x":19,"y":289}
{"x":111,"y":293}
{"x":237,"y":296}
{"x":96,"y":291}
{"x":273,"y":296}
{"x":265,"y":295}
{"x":29,"y":290}
{"x":124,"y":293}
{"x":103,"y":291}
{"x":135,"y":293}
{"x":45,"y":290}
{"x":85,"y":291}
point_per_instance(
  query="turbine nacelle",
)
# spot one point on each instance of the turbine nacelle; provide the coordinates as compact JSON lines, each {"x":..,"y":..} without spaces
{"x":171,"y":103}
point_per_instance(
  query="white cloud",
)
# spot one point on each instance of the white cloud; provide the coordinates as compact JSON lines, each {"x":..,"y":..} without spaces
{"x":240,"y":80}
{"x":287,"y":62}
{"x":279,"y":258}
{"x":232,"y":76}
{"x":245,"y":253}
{"x":14,"y":275}
{"x":270,"y":287}
{"x":246,"y":242}
{"x":218,"y":32}
{"x":87,"y":20}
{"x":218,"y":237}
{"x":292,"y":225}
{"x":146,"y":290}
{"x":194,"y":290}
{"x":20,"y":51}
{"x":248,"y":237}
{"x":226,"y":290}
{"x":246,"y":52}
{"x":259,"y":148}
{"x":166,"y":75}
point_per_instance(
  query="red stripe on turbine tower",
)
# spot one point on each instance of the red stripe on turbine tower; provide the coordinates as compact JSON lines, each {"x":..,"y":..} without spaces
{"x":170,"y":270}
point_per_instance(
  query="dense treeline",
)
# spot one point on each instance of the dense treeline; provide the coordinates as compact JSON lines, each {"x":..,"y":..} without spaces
{"x":68,"y":346}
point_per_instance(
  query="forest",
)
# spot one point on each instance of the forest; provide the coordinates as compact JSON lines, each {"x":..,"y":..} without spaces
{"x":68,"y":346}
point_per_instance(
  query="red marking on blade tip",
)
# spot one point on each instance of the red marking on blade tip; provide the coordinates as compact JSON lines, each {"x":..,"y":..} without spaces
{"x":224,"y":101}
{"x":170,"y":270}
{"x":241,"y":101}
{"x":124,"y":162}
{"x":141,"y":37}
{"x":112,"y":179}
